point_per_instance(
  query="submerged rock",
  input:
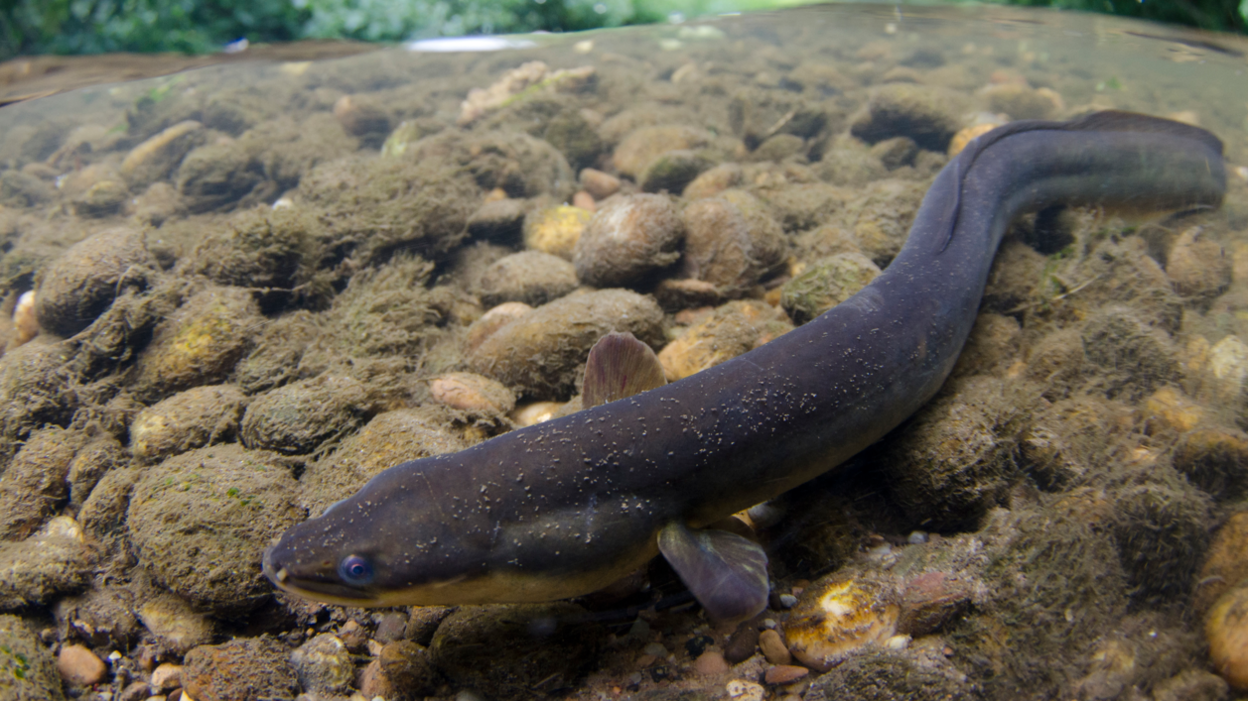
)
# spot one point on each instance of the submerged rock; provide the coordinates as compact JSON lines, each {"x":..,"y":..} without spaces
{"x":516,"y":653}
{"x":541,"y":353}
{"x":199,"y":522}
{"x":197,"y":417}
{"x":629,"y":236}
{"x":85,"y":280}
{"x":245,"y":669}
{"x":27,"y":670}
{"x":532,"y":277}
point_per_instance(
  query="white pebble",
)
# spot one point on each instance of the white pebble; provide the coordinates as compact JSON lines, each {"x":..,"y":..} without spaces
{"x":788,"y":601}
{"x":916,"y":538}
{"x":898,"y":642}
{"x":745,"y":691}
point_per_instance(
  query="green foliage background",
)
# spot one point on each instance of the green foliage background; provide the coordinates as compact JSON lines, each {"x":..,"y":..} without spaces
{"x":200,"y":26}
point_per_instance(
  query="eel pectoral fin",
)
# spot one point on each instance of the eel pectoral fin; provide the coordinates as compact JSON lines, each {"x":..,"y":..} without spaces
{"x":726,"y":572}
{"x":619,"y":366}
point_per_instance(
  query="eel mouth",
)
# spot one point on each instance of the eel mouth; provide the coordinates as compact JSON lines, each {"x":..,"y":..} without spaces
{"x":317,"y":587}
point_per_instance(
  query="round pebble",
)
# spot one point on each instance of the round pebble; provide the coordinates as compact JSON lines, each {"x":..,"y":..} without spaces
{"x":80,"y":667}
{"x":323,"y":665}
{"x":784,"y":674}
{"x":79,"y":285}
{"x":200,"y":343}
{"x":711,"y":663}
{"x":773,"y":647}
{"x":825,"y":284}
{"x":1226,"y":561}
{"x":175,"y":625}
{"x":1226,"y":631}
{"x":199,"y":522}
{"x":541,"y":353}
{"x":629,"y":236}
{"x":406,"y":666}
{"x":1197,"y":266}
{"x":297,"y":418}
{"x":530,"y":277}
{"x":556,"y":230}
{"x":244,"y":669}
{"x":197,"y":417}
{"x":598,"y":184}
{"x":471,"y":392}
{"x":506,"y":652}
{"x":731,"y":241}
{"x":729,"y":331}
{"x":839,"y":614}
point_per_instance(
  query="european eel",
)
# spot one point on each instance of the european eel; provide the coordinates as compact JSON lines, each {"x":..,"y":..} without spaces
{"x":567,"y":507}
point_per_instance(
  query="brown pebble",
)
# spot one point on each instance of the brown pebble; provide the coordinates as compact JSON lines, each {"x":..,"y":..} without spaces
{"x":165,"y":677}
{"x":585,"y":201}
{"x":391,"y":626}
{"x":773,"y":648}
{"x":373,"y":683}
{"x":353,"y":635}
{"x":80,"y":666}
{"x":598,"y":184}
{"x":741,"y":643}
{"x":784,"y":674}
{"x":711,"y":663}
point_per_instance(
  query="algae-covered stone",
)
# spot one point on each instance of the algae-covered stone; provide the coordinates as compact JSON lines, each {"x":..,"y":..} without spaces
{"x":1226,"y":631}
{"x":956,"y":460}
{"x":1132,"y":358}
{"x":34,"y":485}
{"x":1198,"y":267}
{"x":885,"y":675}
{"x":55,"y":560}
{"x":930,"y":115}
{"x":157,"y":157}
{"x":27,"y":669}
{"x":103,"y":615}
{"x":732,"y":329}
{"x":514,"y":653}
{"x":406,"y":666}
{"x":1226,"y":562}
{"x":200,"y":343}
{"x":629,"y":236}
{"x":390,"y":438}
{"x":244,"y":669}
{"x":1161,"y":531}
{"x":825,"y":284}
{"x":672,"y":171}
{"x":642,"y":146}
{"x":35,"y":389}
{"x":299,"y":417}
{"x":731,"y":241}
{"x":500,"y":220}
{"x":219,"y":176}
{"x":519,"y":164}
{"x":197,"y":417}
{"x":1216,"y":460}
{"x":1021,"y":101}
{"x":556,"y":230}
{"x":532,"y":277}
{"x":541,"y":353}
{"x":85,"y":280}
{"x":90,"y":464}
{"x":375,"y":206}
{"x":199,"y":522}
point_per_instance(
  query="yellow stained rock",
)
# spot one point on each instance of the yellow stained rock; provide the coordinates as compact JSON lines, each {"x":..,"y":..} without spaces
{"x":1226,"y":631}
{"x":556,"y":230}
{"x":1226,"y":562}
{"x":839,"y":614}
{"x":963,"y":137}
{"x":1168,"y":409}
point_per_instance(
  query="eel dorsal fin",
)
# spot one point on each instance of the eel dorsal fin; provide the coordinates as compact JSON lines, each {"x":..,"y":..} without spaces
{"x":725,"y":572}
{"x":619,"y":366}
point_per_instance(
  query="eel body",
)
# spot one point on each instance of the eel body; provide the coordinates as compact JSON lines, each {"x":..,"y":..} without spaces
{"x":566,"y":507}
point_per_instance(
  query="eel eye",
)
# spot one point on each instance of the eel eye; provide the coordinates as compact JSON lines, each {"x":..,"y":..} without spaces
{"x":356,"y":570}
